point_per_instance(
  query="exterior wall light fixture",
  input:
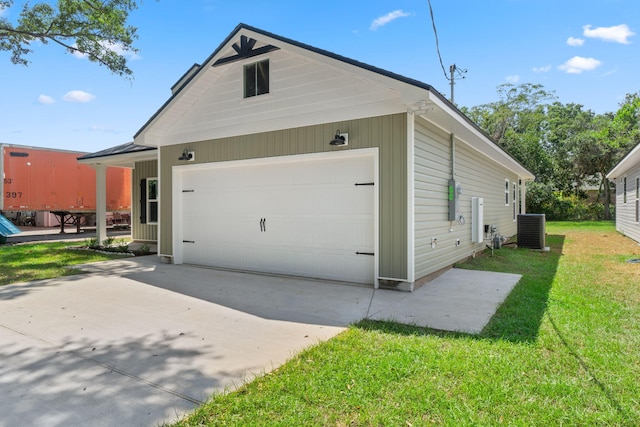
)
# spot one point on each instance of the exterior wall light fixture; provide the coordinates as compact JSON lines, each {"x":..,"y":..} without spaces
{"x":187,"y":155}
{"x":340,"y":139}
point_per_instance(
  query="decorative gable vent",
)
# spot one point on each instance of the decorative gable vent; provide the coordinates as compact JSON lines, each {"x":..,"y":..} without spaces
{"x":246,"y":49}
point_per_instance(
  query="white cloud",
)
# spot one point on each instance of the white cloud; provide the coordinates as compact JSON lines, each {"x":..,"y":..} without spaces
{"x":578,"y":64}
{"x":384,"y":20}
{"x":78,"y":96}
{"x":617,"y":33}
{"x":45,"y":99}
{"x":542,"y":69}
{"x":573,"y":41}
{"x":512,"y":79}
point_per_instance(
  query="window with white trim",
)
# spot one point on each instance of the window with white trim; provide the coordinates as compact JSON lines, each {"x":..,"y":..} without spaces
{"x":152,"y":200}
{"x":506,"y":192}
{"x":514,"y":200}
{"x":149,"y":201}
{"x":256,"y":78}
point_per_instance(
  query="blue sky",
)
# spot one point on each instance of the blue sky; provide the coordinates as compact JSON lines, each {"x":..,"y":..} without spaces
{"x":585,"y":51}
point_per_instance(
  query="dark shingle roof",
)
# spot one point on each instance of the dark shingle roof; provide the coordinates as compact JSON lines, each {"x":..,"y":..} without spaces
{"x":127,"y":148}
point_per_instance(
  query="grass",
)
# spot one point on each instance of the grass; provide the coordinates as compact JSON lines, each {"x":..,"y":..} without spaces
{"x":564,"y":349}
{"x":37,"y":261}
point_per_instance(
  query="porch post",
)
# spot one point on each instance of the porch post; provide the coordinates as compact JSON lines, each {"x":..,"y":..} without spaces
{"x":101,"y":202}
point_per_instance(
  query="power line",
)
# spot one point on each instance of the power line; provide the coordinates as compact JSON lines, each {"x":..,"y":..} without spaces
{"x":435,"y":31}
{"x":453,"y":69}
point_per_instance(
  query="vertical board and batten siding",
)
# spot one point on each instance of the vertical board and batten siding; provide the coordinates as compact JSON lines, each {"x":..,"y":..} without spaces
{"x":142,"y":170}
{"x":388,"y":133}
{"x":478,"y":176}
{"x":626,"y":212}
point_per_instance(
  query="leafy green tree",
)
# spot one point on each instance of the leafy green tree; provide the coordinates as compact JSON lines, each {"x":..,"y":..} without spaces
{"x":517,"y":123}
{"x":567,"y":130}
{"x":612,"y":137}
{"x":564,"y":145}
{"x":95,"y":28}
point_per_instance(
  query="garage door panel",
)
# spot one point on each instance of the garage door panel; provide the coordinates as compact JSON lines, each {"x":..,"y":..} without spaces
{"x":316,"y":218}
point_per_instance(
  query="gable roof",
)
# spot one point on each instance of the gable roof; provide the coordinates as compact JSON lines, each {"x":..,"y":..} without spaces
{"x":414,"y":93}
{"x":198,"y":69}
{"x":630,"y":160}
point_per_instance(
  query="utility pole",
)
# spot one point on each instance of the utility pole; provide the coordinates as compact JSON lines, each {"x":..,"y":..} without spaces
{"x":452,"y":79}
{"x":452,"y":82}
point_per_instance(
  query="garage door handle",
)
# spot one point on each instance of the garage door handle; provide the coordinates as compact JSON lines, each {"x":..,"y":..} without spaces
{"x":365,"y":253}
{"x":263,"y":225}
{"x":188,"y":241}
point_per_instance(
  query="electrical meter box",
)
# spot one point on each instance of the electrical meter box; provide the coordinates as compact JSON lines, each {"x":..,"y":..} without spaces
{"x":454,"y":191}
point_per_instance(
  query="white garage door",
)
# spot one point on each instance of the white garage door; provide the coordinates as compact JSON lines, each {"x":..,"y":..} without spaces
{"x":311,"y":217}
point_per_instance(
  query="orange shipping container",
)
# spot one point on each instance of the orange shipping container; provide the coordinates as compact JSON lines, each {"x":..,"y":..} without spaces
{"x":41,"y":179}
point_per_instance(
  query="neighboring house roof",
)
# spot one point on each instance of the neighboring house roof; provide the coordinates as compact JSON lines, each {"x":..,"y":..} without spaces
{"x":630,"y":160}
{"x":124,"y":153}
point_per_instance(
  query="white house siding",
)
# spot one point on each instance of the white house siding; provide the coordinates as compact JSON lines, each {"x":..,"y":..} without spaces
{"x":626,"y":212}
{"x":302,"y":92}
{"x":478,"y":176}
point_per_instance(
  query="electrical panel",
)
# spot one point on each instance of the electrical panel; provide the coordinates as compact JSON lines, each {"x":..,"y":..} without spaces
{"x":454,"y":191}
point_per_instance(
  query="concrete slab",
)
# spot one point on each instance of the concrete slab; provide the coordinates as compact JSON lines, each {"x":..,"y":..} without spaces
{"x":458,"y":300}
{"x":138,"y":342}
{"x":108,"y":350}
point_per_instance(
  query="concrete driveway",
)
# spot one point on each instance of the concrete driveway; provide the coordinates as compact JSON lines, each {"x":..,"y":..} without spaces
{"x":136,"y":342}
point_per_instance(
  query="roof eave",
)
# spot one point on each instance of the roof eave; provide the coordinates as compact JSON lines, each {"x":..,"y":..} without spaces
{"x":626,"y":163}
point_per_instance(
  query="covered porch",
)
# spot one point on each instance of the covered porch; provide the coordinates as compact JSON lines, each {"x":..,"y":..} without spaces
{"x":122,"y":156}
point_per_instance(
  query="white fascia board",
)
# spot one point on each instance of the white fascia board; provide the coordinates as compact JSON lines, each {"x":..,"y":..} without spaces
{"x":126,"y":160}
{"x":630,"y":160}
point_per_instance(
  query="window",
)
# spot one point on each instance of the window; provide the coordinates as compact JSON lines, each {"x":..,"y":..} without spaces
{"x":149,"y":201}
{"x":256,"y":78}
{"x":514,"y":201}
{"x":506,"y":192}
{"x":637,"y":199}
{"x":624,"y":190}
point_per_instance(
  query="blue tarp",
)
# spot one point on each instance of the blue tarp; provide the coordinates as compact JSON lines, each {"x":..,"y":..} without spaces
{"x":7,"y":228}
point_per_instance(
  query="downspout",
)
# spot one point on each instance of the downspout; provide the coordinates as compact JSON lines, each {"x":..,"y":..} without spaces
{"x":452,"y":144}
{"x":452,"y":140}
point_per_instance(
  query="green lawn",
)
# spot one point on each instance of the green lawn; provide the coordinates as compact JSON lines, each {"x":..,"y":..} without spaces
{"x":564,"y":349}
{"x":37,"y":261}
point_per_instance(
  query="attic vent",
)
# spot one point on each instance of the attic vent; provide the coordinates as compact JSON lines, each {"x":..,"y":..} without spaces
{"x":531,"y":231}
{"x":246,"y":49}
{"x":18,"y":154}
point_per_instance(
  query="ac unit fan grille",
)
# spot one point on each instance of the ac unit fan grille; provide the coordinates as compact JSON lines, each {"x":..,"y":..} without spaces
{"x":531,"y":231}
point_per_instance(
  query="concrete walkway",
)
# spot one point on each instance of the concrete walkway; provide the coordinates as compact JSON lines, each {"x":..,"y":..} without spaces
{"x":138,"y":343}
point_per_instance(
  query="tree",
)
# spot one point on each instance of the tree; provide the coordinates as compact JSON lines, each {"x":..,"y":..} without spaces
{"x":613,"y":136}
{"x":567,"y":131}
{"x":95,"y":28}
{"x":517,"y":123}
